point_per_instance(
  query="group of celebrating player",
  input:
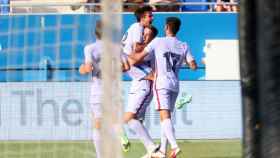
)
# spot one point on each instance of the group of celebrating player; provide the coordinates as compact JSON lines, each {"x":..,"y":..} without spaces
{"x":153,"y":64}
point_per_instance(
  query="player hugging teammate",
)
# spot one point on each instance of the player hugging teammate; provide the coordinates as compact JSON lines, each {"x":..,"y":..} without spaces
{"x":153,"y":65}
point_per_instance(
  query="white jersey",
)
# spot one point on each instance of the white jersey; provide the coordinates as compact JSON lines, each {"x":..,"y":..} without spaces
{"x":92,"y":54}
{"x":169,"y":54}
{"x":134,"y":35}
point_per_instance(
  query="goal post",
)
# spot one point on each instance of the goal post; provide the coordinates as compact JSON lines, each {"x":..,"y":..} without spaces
{"x":111,"y":122}
{"x":260,"y":81}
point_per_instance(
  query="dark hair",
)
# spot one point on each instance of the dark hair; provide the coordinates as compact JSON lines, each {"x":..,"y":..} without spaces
{"x":98,"y":29}
{"x":173,"y":24}
{"x":154,"y":30}
{"x":139,"y":12}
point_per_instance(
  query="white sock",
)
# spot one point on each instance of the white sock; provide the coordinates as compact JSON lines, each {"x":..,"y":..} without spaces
{"x":163,"y":142}
{"x":169,"y":131}
{"x":97,"y":141}
{"x":141,"y":132}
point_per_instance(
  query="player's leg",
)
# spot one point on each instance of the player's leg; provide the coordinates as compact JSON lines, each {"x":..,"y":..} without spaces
{"x":141,"y":116}
{"x":167,"y":127}
{"x":96,"y":138}
{"x":161,"y":153}
{"x":96,"y":110}
{"x":184,"y":99}
{"x":125,"y":141}
{"x":137,"y":101}
{"x":165,"y":105}
{"x":174,"y":151}
{"x":163,"y":142}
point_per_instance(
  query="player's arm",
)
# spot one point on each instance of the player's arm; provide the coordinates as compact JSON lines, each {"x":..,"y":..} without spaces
{"x":138,"y":47}
{"x":190,"y":60}
{"x":124,"y":62}
{"x":135,"y":58}
{"x":138,"y":40}
{"x":192,"y":64}
{"x":87,"y":67}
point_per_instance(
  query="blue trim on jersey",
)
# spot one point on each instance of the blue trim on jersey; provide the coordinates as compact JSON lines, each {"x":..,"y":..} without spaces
{"x":141,"y":68}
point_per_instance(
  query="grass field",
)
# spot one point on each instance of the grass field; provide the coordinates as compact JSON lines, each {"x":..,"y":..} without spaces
{"x":83,"y":149}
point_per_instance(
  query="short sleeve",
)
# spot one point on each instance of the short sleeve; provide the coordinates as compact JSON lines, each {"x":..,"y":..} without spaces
{"x":189,"y":57}
{"x":138,"y":32}
{"x":87,"y":53}
{"x":150,"y":48}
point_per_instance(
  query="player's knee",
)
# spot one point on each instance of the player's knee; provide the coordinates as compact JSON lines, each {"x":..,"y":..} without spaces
{"x":164,"y":114}
{"x":97,"y":124}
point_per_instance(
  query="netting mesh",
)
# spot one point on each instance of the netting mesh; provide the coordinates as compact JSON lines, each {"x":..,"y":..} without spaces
{"x":50,"y":118}
{"x":44,"y":47}
{"x":53,"y":119}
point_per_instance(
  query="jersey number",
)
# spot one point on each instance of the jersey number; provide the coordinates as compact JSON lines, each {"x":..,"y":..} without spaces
{"x":172,"y":60}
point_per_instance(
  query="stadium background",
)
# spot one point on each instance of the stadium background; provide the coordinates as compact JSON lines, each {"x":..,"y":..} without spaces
{"x":56,"y":41}
{"x":39,"y":48}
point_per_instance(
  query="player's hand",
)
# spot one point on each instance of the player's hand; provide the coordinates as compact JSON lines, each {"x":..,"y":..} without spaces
{"x":125,"y":66}
{"x":85,"y":68}
{"x":82,"y":69}
{"x":193,"y":65}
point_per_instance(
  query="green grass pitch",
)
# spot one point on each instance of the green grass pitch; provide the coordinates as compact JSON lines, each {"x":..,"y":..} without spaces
{"x":85,"y":149}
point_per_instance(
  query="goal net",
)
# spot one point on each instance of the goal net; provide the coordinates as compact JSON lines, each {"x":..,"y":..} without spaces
{"x":44,"y":108}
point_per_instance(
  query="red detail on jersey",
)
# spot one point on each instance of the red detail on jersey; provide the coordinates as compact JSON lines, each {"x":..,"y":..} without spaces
{"x":155,"y":82}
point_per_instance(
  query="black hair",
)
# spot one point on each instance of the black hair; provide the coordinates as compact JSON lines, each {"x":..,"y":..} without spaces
{"x":139,"y":12}
{"x":98,"y":29}
{"x":154,"y":30}
{"x":173,"y":24}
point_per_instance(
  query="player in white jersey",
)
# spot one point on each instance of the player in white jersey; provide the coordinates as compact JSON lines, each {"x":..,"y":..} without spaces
{"x":169,"y":54}
{"x":140,"y":93}
{"x":92,"y":53}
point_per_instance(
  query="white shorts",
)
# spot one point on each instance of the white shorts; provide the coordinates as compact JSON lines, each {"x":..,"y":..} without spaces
{"x":95,"y":99}
{"x":165,"y":99}
{"x":139,"y":97}
{"x":96,"y":110}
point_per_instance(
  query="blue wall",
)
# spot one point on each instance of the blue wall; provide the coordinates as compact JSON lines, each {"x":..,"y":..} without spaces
{"x":40,"y":42}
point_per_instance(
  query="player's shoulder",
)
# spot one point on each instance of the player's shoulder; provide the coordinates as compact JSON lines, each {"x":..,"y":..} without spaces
{"x":155,"y":41}
{"x":158,"y":39}
{"x":163,"y":40}
{"x":92,"y":46}
{"x":136,"y":26}
{"x":89,"y":46}
{"x":183,"y":45}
